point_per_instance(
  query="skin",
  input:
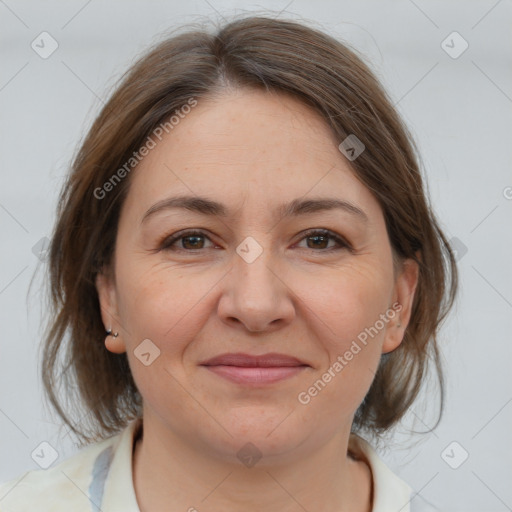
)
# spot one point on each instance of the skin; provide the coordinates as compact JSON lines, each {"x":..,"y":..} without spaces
{"x":252,"y":151}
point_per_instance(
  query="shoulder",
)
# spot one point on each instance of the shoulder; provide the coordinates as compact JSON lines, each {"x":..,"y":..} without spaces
{"x":71,"y":482}
{"x":390,"y":492}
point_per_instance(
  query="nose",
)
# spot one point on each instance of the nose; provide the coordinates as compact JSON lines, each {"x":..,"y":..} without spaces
{"x":256,"y":295}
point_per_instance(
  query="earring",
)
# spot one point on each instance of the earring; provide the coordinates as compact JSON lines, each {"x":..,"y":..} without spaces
{"x":110,"y":333}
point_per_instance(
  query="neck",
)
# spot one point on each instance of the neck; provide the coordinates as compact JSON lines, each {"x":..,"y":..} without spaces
{"x":171,"y":475}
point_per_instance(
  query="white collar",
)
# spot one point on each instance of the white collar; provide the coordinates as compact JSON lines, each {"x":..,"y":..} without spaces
{"x":389,"y":491}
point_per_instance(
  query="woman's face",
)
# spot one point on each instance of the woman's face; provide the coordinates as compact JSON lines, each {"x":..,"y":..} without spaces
{"x":255,"y":277}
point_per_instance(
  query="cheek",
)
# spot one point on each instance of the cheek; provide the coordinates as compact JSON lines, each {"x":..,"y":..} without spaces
{"x":351,"y":301}
{"x":163,"y":304}
{"x":350,"y":310}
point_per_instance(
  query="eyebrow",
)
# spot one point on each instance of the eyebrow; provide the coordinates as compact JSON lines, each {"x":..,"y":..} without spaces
{"x":206,"y":206}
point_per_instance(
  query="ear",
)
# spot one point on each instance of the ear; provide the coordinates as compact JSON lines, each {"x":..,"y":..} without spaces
{"x":105,"y":285}
{"x":403,"y":298}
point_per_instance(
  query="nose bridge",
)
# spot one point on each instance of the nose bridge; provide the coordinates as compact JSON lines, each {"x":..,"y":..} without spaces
{"x":255,"y":295}
{"x":253,"y":266}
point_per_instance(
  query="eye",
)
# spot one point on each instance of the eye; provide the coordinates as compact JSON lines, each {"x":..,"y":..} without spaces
{"x":321,"y":237}
{"x":193,"y":240}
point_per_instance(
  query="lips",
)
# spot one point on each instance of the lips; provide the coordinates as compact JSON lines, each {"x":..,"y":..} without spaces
{"x":247,"y":360}
{"x":255,"y":370}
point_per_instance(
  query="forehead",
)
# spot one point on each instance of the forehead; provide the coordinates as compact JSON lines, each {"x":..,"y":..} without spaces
{"x":247,"y":143}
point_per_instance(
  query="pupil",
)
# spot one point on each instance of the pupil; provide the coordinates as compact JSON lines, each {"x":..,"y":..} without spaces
{"x":196,"y":238}
{"x":318,"y":237}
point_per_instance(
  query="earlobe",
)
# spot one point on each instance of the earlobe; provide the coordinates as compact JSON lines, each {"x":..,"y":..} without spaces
{"x":405,"y":289}
{"x":114,"y":343}
{"x":109,"y":316}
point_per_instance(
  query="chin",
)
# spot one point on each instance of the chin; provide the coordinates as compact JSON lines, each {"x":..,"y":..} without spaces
{"x":268,"y":436}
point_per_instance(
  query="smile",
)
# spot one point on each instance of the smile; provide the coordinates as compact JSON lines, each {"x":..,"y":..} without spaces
{"x":255,"y":370}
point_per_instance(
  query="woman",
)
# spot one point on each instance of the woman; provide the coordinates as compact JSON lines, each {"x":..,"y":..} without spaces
{"x":246,"y":279}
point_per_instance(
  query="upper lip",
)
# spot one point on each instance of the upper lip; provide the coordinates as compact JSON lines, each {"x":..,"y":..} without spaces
{"x":247,"y":360}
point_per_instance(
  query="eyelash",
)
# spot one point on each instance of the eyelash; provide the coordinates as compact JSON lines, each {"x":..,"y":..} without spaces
{"x":167,"y":243}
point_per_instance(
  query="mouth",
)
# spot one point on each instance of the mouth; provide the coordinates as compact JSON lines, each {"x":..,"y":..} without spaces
{"x":255,"y":370}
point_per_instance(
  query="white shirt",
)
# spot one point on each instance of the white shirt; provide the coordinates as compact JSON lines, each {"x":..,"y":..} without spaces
{"x":99,"y":478}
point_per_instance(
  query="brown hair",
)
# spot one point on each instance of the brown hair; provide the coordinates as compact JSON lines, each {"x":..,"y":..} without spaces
{"x":273,"y":55}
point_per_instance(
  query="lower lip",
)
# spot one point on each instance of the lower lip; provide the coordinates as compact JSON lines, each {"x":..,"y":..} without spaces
{"x":255,"y":375}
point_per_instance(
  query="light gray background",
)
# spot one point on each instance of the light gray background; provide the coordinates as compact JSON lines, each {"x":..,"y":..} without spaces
{"x":458,"y":110}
